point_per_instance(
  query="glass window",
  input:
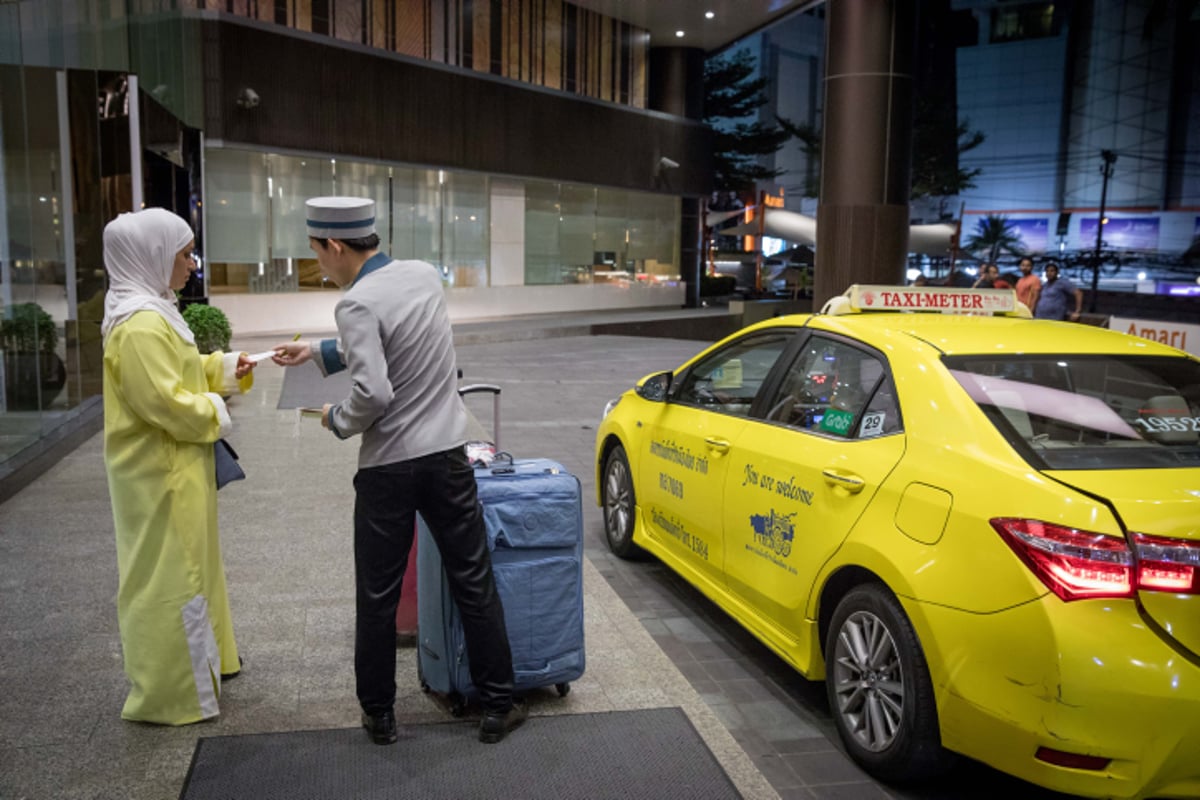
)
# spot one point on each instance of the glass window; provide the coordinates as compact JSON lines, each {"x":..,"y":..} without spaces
{"x":294,"y":180}
{"x":577,"y":234}
{"x":465,"y":228}
{"x":612,"y":227}
{"x":237,"y":217}
{"x":1090,"y":412}
{"x":1030,"y":21}
{"x":836,"y":389}
{"x":729,"y":380}
{"x":542,"y":212}
{"x":582,"y":234}
{"x":653,"y":236}
{"x":416,"y":215}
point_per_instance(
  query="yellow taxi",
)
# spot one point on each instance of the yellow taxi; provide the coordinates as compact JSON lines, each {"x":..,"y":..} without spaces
{"x":981,"y":530}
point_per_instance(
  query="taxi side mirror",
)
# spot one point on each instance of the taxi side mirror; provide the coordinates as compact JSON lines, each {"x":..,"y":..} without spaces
{"x":655,"y":387}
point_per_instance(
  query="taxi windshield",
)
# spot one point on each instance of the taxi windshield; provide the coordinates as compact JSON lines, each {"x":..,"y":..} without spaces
{"x":1089,"y":411}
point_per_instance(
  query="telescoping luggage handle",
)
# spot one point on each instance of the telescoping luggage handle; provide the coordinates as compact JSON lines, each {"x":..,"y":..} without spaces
{"x":475,"y":388}
{"x":503,"y":464}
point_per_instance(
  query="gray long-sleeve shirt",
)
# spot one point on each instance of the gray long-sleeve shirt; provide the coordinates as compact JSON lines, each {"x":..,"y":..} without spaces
{"x":395,"y":338}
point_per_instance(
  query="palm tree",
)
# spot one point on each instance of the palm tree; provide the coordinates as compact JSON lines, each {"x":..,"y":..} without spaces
{"x":994,"y":234}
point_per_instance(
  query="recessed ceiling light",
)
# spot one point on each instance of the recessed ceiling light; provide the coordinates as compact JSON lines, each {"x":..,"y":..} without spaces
{"x":679,"y":34}
{"x":709,"y":15}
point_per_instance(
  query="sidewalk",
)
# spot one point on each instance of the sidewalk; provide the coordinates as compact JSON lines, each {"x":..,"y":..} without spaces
{"x":286,"y":538}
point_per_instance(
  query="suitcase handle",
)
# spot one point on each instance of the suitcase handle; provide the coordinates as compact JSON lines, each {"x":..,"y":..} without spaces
{"x":494,"y":391}
{"x":500,"y":469}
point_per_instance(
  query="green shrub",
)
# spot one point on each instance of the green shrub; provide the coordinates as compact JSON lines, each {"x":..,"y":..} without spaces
{"x":717,"y":285}
{"x":27,"y":328}
{"x":210,"y":326}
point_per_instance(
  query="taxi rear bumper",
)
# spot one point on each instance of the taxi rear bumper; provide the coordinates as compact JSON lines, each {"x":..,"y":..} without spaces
{"x":1087,"y":677}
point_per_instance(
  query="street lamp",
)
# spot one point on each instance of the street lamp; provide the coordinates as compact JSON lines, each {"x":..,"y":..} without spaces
{"x":1106,"y":170}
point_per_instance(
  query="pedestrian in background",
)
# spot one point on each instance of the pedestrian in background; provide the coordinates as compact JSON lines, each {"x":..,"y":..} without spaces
{"x":959,"y":278}
{"x":987,"y":276}
{"x":163,"y":410}
{"x":1029,"y":286}
{"x":394,"y":336}
{"x":1059,"y":298}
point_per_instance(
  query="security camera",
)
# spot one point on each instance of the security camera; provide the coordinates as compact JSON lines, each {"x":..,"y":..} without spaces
{"x":248,"y":98}
{"x":666,"y":163}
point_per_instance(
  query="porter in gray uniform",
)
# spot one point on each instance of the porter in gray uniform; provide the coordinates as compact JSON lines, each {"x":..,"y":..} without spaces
{"x":395,"y":338}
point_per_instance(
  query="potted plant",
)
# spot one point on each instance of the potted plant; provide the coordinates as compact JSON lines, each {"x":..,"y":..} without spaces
{"x":210,"y":326}
{"x":34,"y":374}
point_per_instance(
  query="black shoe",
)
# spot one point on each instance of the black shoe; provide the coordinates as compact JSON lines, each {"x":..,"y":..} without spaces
{"x":228,"y":676}
{"x":495,"y":727}
{"x":381,"y":728}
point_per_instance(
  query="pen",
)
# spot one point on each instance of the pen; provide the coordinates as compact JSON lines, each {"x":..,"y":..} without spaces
{"x":296,"y":338}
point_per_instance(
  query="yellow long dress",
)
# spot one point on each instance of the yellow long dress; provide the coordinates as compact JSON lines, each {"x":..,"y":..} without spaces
{"x":172,"y":606}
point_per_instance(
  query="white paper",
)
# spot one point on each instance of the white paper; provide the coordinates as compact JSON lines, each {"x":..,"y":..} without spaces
{"x":257,"y":357}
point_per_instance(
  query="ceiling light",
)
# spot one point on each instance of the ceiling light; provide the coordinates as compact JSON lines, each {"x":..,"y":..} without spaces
{"x":679,"y":34}
{"x":709,"y":15}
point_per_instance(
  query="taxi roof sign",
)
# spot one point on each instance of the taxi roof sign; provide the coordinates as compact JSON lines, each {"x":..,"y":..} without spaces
{"x":943,"y":299}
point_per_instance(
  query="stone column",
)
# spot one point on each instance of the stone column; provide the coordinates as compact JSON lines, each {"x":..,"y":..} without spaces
{"x":677,"y":87}
{"x":862,"y":216}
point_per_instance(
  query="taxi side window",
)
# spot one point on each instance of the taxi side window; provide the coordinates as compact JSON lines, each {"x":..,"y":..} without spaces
{"x":728,"y":380}
{"x":838,"y":390}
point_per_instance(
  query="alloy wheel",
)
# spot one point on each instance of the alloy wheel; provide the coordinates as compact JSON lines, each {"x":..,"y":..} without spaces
{"x":618,"y":502}
{"x":868,"y":681}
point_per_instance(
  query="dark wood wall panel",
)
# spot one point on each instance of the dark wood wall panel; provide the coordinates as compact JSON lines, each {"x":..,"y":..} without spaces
{"x":326,"y":98}
{"x":550,"y":43}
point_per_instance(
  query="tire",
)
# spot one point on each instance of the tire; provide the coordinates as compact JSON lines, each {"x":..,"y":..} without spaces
{"x":620,"y":505}
{"x":883,"y":706}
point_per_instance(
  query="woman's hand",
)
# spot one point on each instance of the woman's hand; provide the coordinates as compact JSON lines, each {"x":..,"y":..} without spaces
{"x":291,"y":354}
{"x":244,"y":366}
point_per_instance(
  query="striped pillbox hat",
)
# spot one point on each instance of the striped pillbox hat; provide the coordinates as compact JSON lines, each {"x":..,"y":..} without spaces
{"x":340,"y":217}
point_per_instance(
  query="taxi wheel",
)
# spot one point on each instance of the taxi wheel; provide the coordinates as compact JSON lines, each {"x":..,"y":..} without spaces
{"x":879,"y":689}
{"x":619,"y":505}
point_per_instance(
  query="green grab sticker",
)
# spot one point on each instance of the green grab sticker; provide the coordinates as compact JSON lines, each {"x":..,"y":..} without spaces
{"x":836,"y":421}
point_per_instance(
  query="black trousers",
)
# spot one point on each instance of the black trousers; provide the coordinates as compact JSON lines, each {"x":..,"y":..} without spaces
{"x":441,"y":487}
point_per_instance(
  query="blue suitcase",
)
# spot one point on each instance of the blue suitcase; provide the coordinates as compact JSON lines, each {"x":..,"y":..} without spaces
{"x":533,"y":511}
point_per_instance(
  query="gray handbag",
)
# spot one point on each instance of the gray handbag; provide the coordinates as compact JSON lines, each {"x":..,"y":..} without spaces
{"x":228,"y":468}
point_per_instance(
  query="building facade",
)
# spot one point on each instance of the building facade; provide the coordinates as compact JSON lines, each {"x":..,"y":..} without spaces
{"x":517,"y":146}
{"x":1050,"y":86}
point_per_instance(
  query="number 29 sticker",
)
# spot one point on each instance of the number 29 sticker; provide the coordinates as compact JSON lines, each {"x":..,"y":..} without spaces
{"x":872,"y":424}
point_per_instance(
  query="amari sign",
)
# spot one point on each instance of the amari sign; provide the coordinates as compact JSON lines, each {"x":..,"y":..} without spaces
{"x":1176,"y":334}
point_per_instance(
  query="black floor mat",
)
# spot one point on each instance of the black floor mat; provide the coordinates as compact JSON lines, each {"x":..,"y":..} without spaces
{"x":650,"y":753}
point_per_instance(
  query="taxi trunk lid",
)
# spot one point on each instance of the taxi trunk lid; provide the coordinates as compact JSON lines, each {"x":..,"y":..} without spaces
{"x":1160,"y":509}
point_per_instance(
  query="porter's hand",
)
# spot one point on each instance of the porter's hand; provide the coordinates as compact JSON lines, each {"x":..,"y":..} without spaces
{"x":292,"y":354}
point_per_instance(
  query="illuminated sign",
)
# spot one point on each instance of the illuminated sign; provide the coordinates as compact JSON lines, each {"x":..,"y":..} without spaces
{"x":921,"y":298}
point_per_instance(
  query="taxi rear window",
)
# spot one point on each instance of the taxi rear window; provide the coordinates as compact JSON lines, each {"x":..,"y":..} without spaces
{"x":1088,"y":411}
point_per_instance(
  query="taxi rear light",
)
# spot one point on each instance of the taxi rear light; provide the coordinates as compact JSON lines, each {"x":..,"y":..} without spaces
{"x":1074,"y":564}
{"x":1167,"y":565}
{"x":1062,"y":758}
{"x":1077,"y":565}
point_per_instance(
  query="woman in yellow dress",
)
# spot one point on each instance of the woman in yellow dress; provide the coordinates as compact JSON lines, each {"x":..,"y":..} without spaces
{"x":163,"y":409}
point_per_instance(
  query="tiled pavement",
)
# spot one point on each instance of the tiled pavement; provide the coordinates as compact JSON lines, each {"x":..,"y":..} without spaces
{"x":653,"y":640}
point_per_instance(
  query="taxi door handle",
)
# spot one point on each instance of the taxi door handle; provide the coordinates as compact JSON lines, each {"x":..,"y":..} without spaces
{"x":719,"y":445}
{"x":847,"y":480}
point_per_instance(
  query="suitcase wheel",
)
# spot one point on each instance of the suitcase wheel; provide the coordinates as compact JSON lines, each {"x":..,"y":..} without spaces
{"x":458,"y":705}
{"x":564,"y":689}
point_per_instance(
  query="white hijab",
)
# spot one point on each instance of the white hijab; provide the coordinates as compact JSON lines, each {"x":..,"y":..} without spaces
{"x":139,"y":253}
